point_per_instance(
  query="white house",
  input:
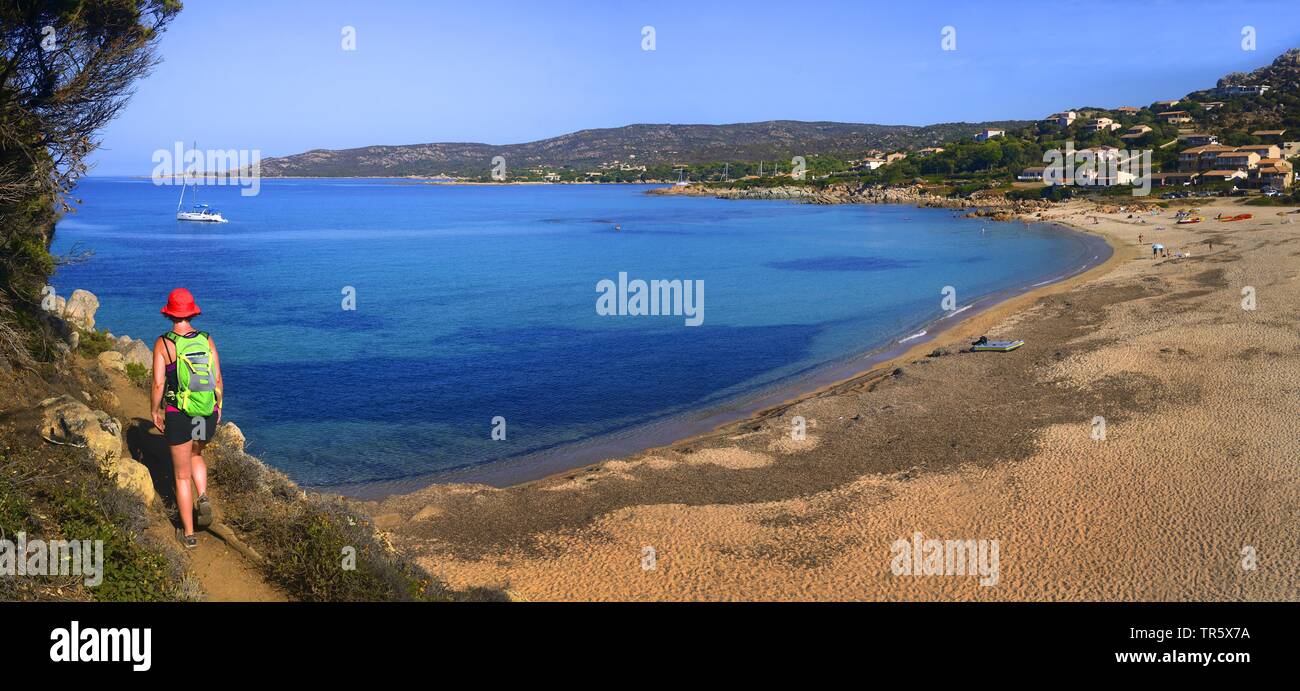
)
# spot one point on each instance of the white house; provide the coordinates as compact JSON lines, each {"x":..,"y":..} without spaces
{"x":1108,"y":168}
{"x":1136,"y":132}
{"x":989,"y":134}
{"x":1064,"y":118}
{"x":1241,"y":90}
{"x":1104,"y":124}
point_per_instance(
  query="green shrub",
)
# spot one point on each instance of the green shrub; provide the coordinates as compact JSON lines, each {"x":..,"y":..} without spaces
{"x":63,"y":494}
{"x":305,"y":537}
{"x":328,"y":535}
{"x":93,"y":342}
{"x":131,"y":573}
{"x":137,"y":373}
{"x":1292,"y":199}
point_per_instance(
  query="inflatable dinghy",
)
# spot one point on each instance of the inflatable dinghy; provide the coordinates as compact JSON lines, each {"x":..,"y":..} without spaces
{"x":985,"y":345}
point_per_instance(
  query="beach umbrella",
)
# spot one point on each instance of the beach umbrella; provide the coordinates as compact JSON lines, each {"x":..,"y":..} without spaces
{"x":1157,"y":246}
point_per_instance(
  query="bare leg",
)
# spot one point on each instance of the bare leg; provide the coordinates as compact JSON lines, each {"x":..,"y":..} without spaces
{"x":184,"y":492}
{"x":199,"y":468}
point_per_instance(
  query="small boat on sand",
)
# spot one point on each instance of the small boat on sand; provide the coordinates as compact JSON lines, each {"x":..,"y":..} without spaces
{"x":1238,"y":217}
{"x":985,"y":345}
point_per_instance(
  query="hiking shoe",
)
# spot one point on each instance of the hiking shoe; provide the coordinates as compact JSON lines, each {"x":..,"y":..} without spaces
{"x":188,"y":541}
{"x":203,"y":511}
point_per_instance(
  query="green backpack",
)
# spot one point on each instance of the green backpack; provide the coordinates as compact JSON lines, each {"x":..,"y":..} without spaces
{"x":196,"y":390}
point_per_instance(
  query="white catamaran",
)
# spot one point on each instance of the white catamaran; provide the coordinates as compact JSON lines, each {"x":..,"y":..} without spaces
{"x":200,"y":212}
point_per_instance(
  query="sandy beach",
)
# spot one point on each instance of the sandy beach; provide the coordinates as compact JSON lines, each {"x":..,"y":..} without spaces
{"x":1142,"y":445}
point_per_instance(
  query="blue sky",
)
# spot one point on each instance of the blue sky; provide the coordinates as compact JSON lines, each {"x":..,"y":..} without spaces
{"x":247,"y":74}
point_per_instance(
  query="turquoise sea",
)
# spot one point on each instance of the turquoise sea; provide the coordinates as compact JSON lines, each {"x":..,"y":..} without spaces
{"x":479,"y":302}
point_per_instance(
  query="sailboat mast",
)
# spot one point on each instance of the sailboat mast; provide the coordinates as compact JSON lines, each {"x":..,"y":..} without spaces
{"x":194,"y":146}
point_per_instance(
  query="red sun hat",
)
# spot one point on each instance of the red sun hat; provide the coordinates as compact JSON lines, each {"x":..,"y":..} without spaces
{"x":180,"y":304}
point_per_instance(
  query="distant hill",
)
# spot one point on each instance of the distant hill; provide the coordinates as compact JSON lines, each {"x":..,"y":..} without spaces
{"x":651,"y":145}
{"x":661,"y":146}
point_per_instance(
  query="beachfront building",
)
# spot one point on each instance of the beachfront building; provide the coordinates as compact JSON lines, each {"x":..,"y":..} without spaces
{"x":1222,"y":175}
{"x":870,"y":163}
{"x":1277,"y":173}
{"x":989,"y":134}
{"x":1275,"y":135}
{"x":1175,"y":117}
{"x":1104,"y":124}
{"x":1108,"y":169}
{"x":1034,"y":174}
{"x":1290,"y":149}
{"x":1198,"y":138}
{"x":1201,"y":157}
{"x":896,"y":156}
{"x":1264,"y":150}
{"x":1212,"y":105}
{"x":1128,"y":110}
{"x":1174,"y":178}
{"x":1166,"y":105}
{"x":930,"y":151}
{"x":1236,"y":160}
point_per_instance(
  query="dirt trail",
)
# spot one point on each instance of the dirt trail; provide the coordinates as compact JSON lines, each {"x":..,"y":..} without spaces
{"x":220,"y":565}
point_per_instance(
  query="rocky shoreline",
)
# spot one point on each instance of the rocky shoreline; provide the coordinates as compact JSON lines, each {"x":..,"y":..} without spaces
{"x":991,"y":205}
{"x":986,"y":204}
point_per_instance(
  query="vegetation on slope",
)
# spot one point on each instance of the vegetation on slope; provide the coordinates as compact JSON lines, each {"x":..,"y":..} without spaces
{"x":55,"y":95}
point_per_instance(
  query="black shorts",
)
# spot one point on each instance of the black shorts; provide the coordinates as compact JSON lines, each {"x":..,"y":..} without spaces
{"x":182,"y":428}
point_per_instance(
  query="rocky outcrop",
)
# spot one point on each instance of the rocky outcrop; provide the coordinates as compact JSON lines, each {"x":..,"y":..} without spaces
{"x":80,"y":308}
{"x":133,"y":351}
{"x":111,"y":361}
{"x":67,"y":317}
{"x":67,"y":421}
{"x":69,"y":337}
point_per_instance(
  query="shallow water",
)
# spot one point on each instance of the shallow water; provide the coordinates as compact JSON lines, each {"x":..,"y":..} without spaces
{"x":474,"y":302}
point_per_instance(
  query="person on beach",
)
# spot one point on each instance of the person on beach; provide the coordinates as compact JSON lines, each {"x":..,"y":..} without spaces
{"x":186,"y":407}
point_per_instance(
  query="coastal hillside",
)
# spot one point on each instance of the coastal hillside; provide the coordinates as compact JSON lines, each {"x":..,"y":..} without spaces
{"x":633,"y":145}
{"x":1278,"y":107}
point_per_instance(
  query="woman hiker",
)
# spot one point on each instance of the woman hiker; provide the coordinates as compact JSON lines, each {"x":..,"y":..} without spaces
{"x":187,"y":382}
